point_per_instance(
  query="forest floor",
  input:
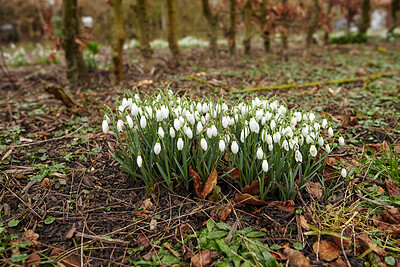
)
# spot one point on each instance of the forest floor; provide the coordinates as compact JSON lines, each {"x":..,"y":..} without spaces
{"x":64,"y":198}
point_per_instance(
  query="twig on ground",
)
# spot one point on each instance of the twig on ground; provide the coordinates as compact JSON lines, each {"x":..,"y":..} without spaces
{"x":102,"y":239}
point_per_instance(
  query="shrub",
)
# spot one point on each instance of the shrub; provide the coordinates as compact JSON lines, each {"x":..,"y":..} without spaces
{"x":348,"y":38}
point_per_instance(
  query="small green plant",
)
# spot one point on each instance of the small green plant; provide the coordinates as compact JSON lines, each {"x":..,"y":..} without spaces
{"x":349,"y":38}
{"x":46,"y":56}
{"x":17,"y":58}
{"x":90,"y":55}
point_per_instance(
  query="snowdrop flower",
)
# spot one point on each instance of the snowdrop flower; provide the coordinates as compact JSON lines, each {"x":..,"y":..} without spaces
{"x":205,"y":108}
{"x":270,"y":147}
{"x":282,"y":110}
{"x":159,"y":115}
{"x":177,"y":124}
{"x":225,"y":122}
{"x":324,"y":123}
{"x":309,"y":139}
{"x":227,"y":138}
{"x":172,"y":132}
{"x":311,"y":116}
{"x":203,"y":144}
{"x":203,"y":120}
{"x":313,"y":151}
{"x":105,"y":127}
{"x":277,"y":137}
{"x":298,"y":116}
{"x":234,"y":147}
{"x":179,"y":144}
{"x":341,"y":141}
{"x":269,"y":139}
{"x":328,"y":148}
{"x":209,"y":133}
{"x":208,"y":117}
{"x":199,"y":127}
{"x":285,"y":145}
{"x":188,"y":132}
{"x":190,"y":118}
{"x":298,"y":156}
{"x":320,"y":141}
{"x":268,"y":116}
{"x":221,"y":145}
{"x":214,"y":130}
{"x":259,"y":114}
{"x":199,"y":107}
{"x":143,"y":122}
{"x":121,"y":108}
{"x":272,"y":124}
{"x":260,"y":153}
{"x":330,"y":132}
{"x":254,"y":127}
{"x":139,"y":161}
{"x":274,"y":105}
{"x":224,"y":107}
{"x":164,"y":112}
{"x":107,"y":119}
{"x":231,"y":121}
{"x":134,"y":109}
{"x":149,"y":112}
{"x":293,"y":121}
{"x":343,"y":173}
{"x":157,"y":148}
{"x":137,"y":97}
{"x":129,"y":121}
{"x":265,"y":165}
{"x":292,"y":144}
{"x":160,"y":132}
{"x":120,"y":123}
{"x":304,"y":131}
{"x":317,"y":126}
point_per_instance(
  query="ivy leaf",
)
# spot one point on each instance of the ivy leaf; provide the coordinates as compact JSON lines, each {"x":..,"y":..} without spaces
{"x":49,"y":220}
{"x":298,"y":246}
{"x":13,"y":223}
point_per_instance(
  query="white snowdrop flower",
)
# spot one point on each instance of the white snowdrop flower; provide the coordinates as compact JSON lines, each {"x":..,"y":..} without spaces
{"x":164,"y":112}
{"x":177,"y":124}
{"x":285,"y":145}
{"x":305,"y":117}
{"x":196,"y":115}
{"x":225,"y":122}
{"x":298,"y":157}
{"x":311,"y":116}
{"x":137,"y":97}
{"x":205,"y":108}
{"x":129,"y":121}
{"x":293,"y":121}
{"x":343,"y":173}
{"x":172,"y":132}
{"x":188,"y":132}
{"x":308,"y":139}
{"x":107,"y":119}
{"x":298,"y":116}
{"x":227,"y":138}
{"x":328,"y":148}
{"x":105,"y":127}
{"x":282,"y":110}
{"x":263,"y":135}
{"x":143,"y":122}
{"x":304,"y":131}
{"x":324,"y":123}
{"x":208,"y":117}
{"x":320,"y":141}
{"x":242,"y":136}
{"x":214,"y":130}
{"x":203,"y":144}
{"x":199,"y":107}
{"x":301,"y":140}
{"x":159,"y":115}
{"x":254,"y":127}
{"x":317,"y":126}
{"x":236,"y":118}
{"x":149,"y":112}
{"x":330,"y":132}
{"x":221,"y":145}
{"x":199,"y":127}
{"x":268,"y":116}
{"x":292,"y":144}
{"x":268,"y":138}
{"x":259,"y":114}
{"x":203,"y":120}
{"x":121,"y":108}
{"x":179,"y":144}
{"x":274,"y":105}
{"x":257,"y":102}
{"x":231,"y":121}
{"x":160,"y":132}
{"x":272,"y":124}
{"x":260,"y":153}
{"x":139,"y":161}
{"x":134,"y":109}
{"x":157,"y":148}
{"x":265,"y":165}
{"x":124,"y":103}
{"x":234,"y":147}
{"x":341,"y":141}
{"x":224,"y":107}
{"x":120,"y":123}
{"x":270,"y":147}
{"x":263,"y":120}
{"x":190,"y":118}
{"x":313,"y":151}
{"x":277,"y":137}
{"x":209,"y":133}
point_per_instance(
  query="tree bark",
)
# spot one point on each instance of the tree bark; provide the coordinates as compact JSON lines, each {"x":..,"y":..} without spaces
{"x":365,"y":17}
{"x":248,"y":14}
{"x":264,"y":29}
{"x":286,"y":32}
{"x":143,"y":30}
{"x":213,"y":26}
{"x":118,"y":40}
{"x":393,"y":11}
{"x":77,"y":72}
{"x":313,"y":23}
{"x":232,"y":28}
{"x":171,"y":29}
{"x":326,"y":36}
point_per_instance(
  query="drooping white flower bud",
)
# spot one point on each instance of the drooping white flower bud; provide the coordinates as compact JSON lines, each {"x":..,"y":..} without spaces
{"x":277,"y":137}
{"x":234,"y":147}
{"x":209,"y":133}
{"x":270,"y":147}
{"x":134,"y":109}
{"x":269,"y":139}
{"x":309,"y":139}
{"x":107,"y":118}
{"x":320,"y":141}
{"x":313,"y":151}
{"x":298,"y":156}
{"x":199,"y":127}
{"x":311,"y":116}
{"x":129,"y":121}
{"x":221,"y":145}
{"x":139,"y":161}
{"x":160,"y":132}
{"x":143,"y":122}
{"x":254,"y":127}
{"x":272,"y":124}
{"x":260,"y":153}
{"x":172,"y":132}
{"x":341,"y":141}
{"x":214,"y":130}
{"x":324,"y":123}
{"x":120,"y":123}
{"x":203,"y":144}
{"x":225,"y":122}
{"x":157,"y":148}
{"x":328,"y":148}
{"x":285,"y":145}
{"x":343,"y":173}
{"x":330,"y":132}
{"x":265,"y":165}
{"x":179,"y":144}
{"x":105,"y":127}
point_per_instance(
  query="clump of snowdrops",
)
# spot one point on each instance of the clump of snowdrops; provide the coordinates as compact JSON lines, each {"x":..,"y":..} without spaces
{"x":162,"y":135}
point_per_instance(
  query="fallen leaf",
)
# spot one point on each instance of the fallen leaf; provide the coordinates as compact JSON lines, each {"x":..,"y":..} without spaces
{"x":203,"y":258}
{"x":196,"y":180}
{"x":142,"y":241}
{"x":314,"y":189}
{"x":371,"y":245}
{"x":21,"y":176}
{"x":147,"y":205}
{"x":391,"y":215}
{"x":153,"y":224}
{"x":326,"y":250}
{"x":279,"y":255}
{"x":6,"y":154}
{"x":210,"y":184}
{"x":248,"y":199}
{"x":392,"y":188}
{"x":44,"y":133}
{"x":346,"y":120}
{"x":339,"y":262}
{"x":296,"y":258}
{"x":226,"y":211}
{"x":31,"y":236}
{"x":284,"y":205}
{"x":303,"y":223}
{"x":46,"y":183}
{"x":253,"y":189}
{"x":68,"y":261}
{"x":33,"y":260}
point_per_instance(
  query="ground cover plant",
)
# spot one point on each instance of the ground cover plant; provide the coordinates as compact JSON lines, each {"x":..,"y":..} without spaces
{"x":65,"y":198}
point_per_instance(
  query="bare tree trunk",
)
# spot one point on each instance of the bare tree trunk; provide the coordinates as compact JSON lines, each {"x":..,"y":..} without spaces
{"x":313,"y":23}
{"x":393,"y":11}
{"x":248,"y":14}
{"x":171,"y":30}
{"x":232,"y":27}
{"x":286,"y":32}
{"x":365,"y":17}
{"x":118,"y":40}
{"x":349,"y":13}
{"x":143,"y":30}
{"x":326,"y":37}
{"x":264,"y":30}
{"x":213,"y":24}
{"x":77,"y":72}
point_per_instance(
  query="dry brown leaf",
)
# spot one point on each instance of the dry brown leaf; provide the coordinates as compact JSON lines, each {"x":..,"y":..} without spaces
{"x":326,"y":250}
{"x":279,"y":255}
{"x":249,"y":199}
{"x":210,"y":184}
{"x":46,"y":183}
{"x":371,"y":245}
{"x":70,"y":261}
{"x":196,"y":181}
{"x":338,"y":241}
{"x":226,"y":211}
{"x":21,"y":176}
{"x":33,"y":260}
{"x":314,"y":189}
{"x":284,"y":205}
{"x":253,"y":189}
{"x":391,"y":215}
{"x":31,"y":236}
{"x":303,"y":223}
{"x":392,"y":188}
{"x":203,"y":258}
{"x":339,"y":262}
{"x":168,"y":246}
{"x":147,"y":205}
{"x":347,"y":120}
{"x":296,"y":258}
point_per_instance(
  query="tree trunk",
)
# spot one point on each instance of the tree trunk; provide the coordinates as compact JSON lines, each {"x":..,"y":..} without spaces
{"x":365,"y":17}
{"x":118,"y":40}
{"x":77,"y":72}
{"x":143,"y":30}
{"x":326,"y":37}
{"x":264,"y":29}
{"x":248,"y":13}
{"x":232,"y":28}
{"x":213,"y":24}
{"x":393,"y":11}
{"x":171,"y":29}
{"x":286,"y":32}
{"x":313,"y":23}
{"x":348,"y":20}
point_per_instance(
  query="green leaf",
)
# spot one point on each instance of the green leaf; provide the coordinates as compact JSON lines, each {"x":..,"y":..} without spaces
{"x":255,"y":234}
{"x":223,"y":246}
{"x":298,"y":246}
{"x":170,"y":259}
{"x":217,"y":234}
{"x":210,"y":225}
{"x":49,"y":220}
{"x":269,"y":259}
{"x":390,"y":260}
{"x":13,"y":223}
{"x":223,"y":226}
{"x":275,"y":246}
{"x":19,"y":257}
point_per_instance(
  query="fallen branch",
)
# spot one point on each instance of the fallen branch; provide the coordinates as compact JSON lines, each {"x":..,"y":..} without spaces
{"x":311,"y":84}
{"x":102,"y":239}
{"x":200,"y":80}
{"x":60,"y":93}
